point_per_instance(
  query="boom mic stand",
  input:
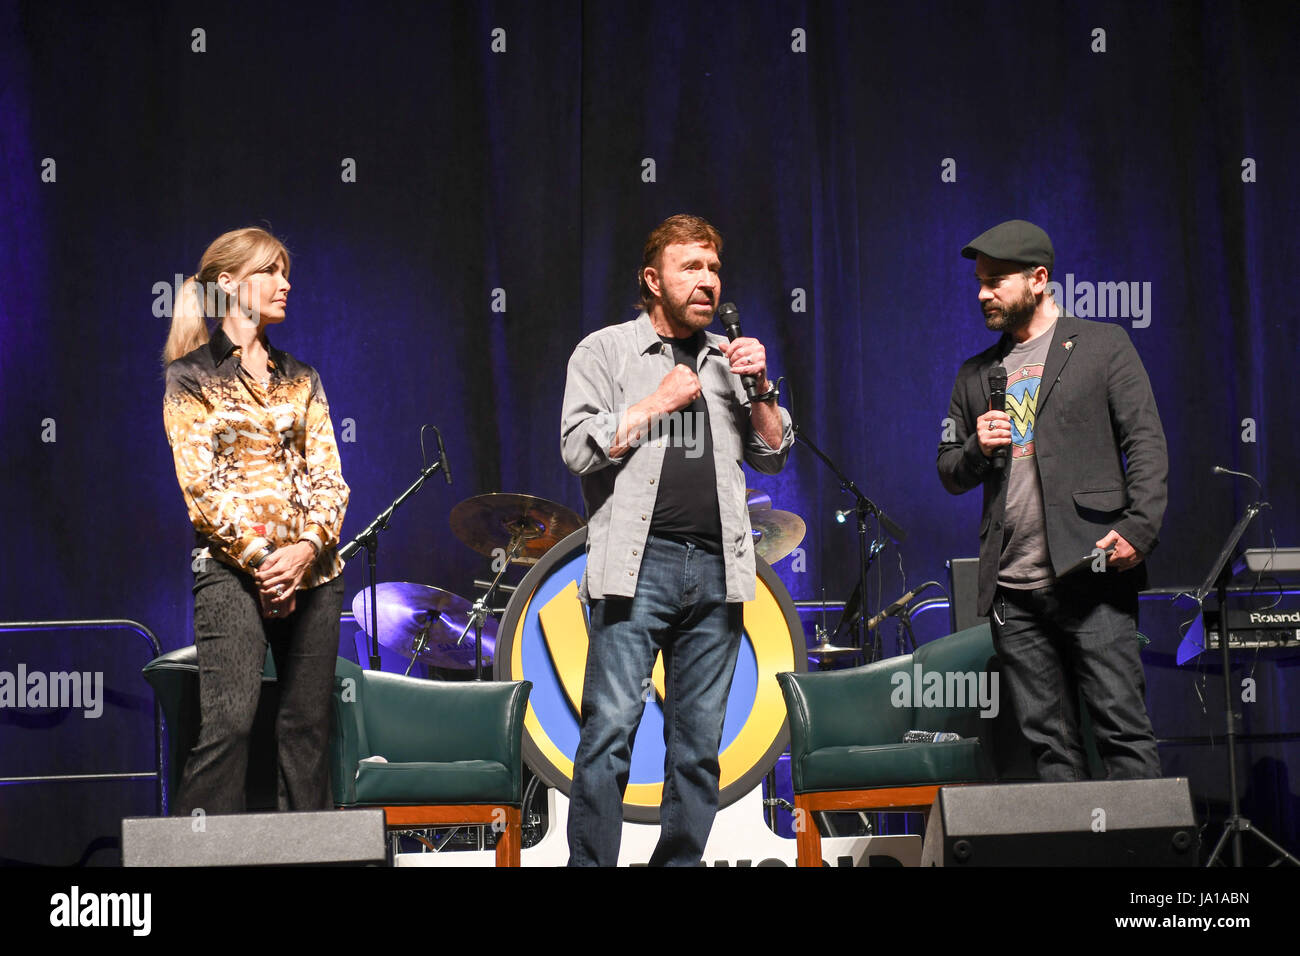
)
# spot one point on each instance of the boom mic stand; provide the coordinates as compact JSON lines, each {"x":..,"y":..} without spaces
{"x":866,"y":554}
{"x":369,"y":539}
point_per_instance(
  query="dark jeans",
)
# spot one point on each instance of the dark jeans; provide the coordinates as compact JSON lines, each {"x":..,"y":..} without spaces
{"x":680,"y":608}
{"x":1077,"y":634}
{"x":231,"y":638}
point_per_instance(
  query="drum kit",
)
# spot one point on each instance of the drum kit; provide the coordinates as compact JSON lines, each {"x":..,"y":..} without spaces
{"x":447,"y":632}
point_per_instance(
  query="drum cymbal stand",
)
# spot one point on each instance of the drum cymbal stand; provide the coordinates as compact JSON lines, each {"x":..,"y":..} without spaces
{"x":520,"y":532}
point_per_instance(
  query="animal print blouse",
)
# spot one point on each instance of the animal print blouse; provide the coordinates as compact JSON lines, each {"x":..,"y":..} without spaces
{"x":257,"y":463}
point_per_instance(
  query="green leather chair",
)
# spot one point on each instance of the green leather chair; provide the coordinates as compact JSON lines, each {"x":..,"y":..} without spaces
{"x":847,"y":727}
{"x":453,"y":751}
{"x":846,"y":732}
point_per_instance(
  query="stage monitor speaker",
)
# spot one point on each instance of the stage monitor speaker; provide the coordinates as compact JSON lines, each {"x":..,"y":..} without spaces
{"x":964,"y":590}
{"x":322,"y":838}
{"x":1090,"y":823}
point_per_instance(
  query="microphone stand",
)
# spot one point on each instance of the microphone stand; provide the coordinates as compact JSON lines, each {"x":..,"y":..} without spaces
{"x":1217,"y":581}
{"x":902,"y":609}
{"x":369,"y":539}
{"x":866,"y":554}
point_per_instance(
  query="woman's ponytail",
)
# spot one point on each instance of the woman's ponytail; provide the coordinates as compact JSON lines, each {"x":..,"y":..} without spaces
{"x":188,"y":330}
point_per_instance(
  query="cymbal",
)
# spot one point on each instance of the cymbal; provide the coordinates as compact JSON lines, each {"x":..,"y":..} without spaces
{"x":776,"y":533}
{"x":407,"y":611}
{"x":756,"y":500}
{"x":487,"y":523}
{"x":830,"y":650}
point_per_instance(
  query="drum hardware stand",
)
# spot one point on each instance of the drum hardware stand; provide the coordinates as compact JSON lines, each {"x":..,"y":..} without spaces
{"x":426,"y":837}
{"x":771,"y":804}
{"x":503,"y":588}
{"x":854,"y":613}
{"x":906,"y":615}
{"x":865,"y":553}
{"x":1217,"y":580}
{"x":421,"y":643}
{"x":531,"y":818}
{"x":824,"y":649}
{"x":369,"y":539}
{"x":479,"y":612}
{"x":908,"y":636}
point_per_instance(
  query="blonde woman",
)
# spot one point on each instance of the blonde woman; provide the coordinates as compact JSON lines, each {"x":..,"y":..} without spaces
{"x":254,"y":449}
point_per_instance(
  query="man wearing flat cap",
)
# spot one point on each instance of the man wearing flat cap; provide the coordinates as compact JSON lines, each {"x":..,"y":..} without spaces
{"x":1074,"y":476}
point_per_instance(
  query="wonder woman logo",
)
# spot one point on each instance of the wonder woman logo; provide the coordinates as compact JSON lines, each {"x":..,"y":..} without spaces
{"x":1022,"y":406}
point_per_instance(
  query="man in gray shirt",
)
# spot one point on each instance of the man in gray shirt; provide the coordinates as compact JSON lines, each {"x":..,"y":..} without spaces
{"x":656,"y":423}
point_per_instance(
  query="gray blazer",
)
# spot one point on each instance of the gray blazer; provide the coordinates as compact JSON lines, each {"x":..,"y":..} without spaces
{"x":1098,"y":442}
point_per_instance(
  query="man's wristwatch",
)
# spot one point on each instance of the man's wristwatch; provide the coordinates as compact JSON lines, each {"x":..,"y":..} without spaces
{"x":770,"y":395}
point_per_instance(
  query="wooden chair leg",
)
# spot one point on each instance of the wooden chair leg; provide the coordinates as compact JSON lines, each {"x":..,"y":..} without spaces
{"x":510,"y":841}
{"x":808,"y":839}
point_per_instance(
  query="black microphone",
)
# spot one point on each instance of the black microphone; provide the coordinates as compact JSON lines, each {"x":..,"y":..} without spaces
{"x":998,"y":403}
{"x":442,"y":454}
{"x":730,"y":317}
{"x":893,"y":609}
{"x":1220,"y":470}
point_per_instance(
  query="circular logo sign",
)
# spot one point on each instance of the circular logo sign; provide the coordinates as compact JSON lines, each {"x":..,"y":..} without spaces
{"x":543,"y":639}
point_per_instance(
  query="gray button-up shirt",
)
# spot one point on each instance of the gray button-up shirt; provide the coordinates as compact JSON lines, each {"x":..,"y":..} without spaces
{"x":610,"y":371}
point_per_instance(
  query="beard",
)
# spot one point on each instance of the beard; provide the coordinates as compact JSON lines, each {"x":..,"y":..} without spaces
{"x":1014,"y":317}
{"x":679,"y":313}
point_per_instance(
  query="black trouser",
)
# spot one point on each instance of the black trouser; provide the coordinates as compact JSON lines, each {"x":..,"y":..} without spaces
{"x":1079,"y":634}
{"x":231,"y":637}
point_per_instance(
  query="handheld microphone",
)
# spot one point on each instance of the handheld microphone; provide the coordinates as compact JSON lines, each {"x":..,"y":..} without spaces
{"x":998,"y":403}
{"x":442,"y":455}
{"x":730,"y":317}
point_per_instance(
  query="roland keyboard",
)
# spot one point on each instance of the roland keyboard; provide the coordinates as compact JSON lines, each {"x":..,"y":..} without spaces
{"x":1278,"y":628}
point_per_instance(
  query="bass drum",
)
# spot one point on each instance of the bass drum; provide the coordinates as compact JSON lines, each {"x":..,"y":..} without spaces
{"x":543,"y":639}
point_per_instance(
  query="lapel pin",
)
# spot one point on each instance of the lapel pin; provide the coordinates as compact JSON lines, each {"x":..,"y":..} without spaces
{"x":1067,"y":345}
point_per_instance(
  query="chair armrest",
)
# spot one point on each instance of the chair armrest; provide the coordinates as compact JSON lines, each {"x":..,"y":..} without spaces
{"x":348,"y":743}
{"x":846,"y":707}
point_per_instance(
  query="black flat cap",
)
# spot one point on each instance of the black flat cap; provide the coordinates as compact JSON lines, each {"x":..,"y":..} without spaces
{"x":1015,"y":241}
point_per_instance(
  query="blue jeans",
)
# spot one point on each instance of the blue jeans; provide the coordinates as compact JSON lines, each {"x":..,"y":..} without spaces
{"x":681,"y":609}
{"x":1079,"y":634}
